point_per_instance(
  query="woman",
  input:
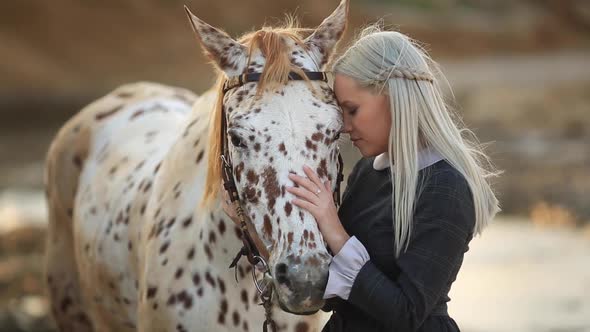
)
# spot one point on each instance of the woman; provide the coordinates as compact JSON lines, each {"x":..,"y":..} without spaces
{"x":412,"y":203}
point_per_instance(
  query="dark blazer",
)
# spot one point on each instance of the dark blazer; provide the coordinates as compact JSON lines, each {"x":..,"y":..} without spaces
{"x":409,"y":293}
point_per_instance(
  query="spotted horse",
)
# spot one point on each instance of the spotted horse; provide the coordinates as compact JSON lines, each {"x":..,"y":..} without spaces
{"x":137,"y":237}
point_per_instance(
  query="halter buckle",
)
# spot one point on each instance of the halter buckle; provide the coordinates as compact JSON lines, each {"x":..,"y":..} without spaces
{"x":234,"y":81}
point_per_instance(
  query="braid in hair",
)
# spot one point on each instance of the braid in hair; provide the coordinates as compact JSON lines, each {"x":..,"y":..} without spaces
{"x":399,"y":71}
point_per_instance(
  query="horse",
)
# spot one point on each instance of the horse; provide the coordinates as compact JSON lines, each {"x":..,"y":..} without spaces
{"x":137,"y":239}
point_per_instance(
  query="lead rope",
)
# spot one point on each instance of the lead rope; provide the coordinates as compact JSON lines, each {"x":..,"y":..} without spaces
{"x":267,"y":304}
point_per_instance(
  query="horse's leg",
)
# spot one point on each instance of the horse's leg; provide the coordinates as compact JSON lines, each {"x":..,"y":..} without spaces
{"x":63,"y":166}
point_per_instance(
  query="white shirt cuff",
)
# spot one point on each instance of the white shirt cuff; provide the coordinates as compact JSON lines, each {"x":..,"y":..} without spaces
{"x":344,"y":268}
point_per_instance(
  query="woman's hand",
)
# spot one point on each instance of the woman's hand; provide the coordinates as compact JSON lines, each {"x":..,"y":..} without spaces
{"x":227,"y":205}
{"x":316,"y":197}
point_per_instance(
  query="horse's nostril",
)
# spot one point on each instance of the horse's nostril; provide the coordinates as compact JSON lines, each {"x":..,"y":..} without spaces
{"x":281,"y":273}
{"x":281,"y":268}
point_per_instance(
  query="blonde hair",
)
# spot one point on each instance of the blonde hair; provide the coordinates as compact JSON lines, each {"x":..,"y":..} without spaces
{"x":390,"y":62}
{"x":272,"y":43}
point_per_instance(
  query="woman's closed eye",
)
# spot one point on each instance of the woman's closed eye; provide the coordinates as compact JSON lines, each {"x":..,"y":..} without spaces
{"x":349,"y":108}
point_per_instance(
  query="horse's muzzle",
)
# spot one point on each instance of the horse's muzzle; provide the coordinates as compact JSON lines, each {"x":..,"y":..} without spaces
{"x":300,"y":285}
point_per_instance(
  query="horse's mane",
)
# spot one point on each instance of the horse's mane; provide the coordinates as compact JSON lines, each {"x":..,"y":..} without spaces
{"x":272,"y":43}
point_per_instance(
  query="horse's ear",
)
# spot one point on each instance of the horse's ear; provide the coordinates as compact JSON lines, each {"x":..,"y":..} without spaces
{"x":322,"y":41}
{"x":227,"y":54}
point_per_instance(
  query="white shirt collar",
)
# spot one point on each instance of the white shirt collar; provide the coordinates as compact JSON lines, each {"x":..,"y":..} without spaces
{"x":426,"y":157}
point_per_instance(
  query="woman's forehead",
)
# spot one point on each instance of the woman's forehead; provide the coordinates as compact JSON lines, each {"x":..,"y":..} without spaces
{"x":345,"y":88}
{"x":350,"y":93}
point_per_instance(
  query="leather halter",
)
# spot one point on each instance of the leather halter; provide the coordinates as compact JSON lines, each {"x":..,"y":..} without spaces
{"x":237,"y":81}
{"x":254,"y":248}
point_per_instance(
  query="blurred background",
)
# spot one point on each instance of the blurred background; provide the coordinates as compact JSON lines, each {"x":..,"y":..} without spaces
{"x":520,"y":71}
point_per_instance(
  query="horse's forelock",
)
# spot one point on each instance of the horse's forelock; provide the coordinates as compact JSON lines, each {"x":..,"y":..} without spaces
{"x":272,"y":43}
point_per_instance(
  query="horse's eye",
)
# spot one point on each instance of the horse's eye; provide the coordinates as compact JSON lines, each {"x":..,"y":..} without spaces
{"x":337,"y":137}
{"x":236,"y":140}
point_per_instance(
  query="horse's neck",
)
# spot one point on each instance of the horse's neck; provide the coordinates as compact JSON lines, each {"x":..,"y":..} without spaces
{"x":220,"y":238}
{"x":218,"y":234}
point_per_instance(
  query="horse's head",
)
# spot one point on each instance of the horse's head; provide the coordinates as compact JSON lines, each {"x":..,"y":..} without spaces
{"x":274,"y":127}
